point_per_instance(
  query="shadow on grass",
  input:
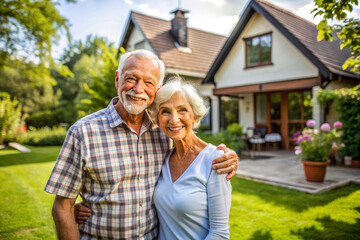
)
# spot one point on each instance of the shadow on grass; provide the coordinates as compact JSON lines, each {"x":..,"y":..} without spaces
{"x":261,"y":235}
{"x":38,"y":155}
{"x":289,"y":198}
{"x":332,"y":230}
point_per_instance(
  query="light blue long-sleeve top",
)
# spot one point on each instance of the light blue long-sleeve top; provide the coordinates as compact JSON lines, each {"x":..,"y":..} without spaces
{"x":197,"y":204}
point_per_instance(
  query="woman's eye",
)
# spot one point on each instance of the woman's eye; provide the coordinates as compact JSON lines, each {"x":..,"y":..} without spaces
{"x":164,"y":111}
{"x":183,"y":110}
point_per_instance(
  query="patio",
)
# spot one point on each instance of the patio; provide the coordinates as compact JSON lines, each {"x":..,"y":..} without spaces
{"x":284,"y":169}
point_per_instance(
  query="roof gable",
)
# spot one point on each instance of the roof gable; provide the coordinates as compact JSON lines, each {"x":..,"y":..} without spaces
{"x":325,"y":55}
{"x":204,"y":46}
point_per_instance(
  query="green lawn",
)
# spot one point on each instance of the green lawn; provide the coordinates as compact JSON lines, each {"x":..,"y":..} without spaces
{"x":259,"y":211}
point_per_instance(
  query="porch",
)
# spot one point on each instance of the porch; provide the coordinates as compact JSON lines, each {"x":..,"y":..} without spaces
{"x":282,"y":168}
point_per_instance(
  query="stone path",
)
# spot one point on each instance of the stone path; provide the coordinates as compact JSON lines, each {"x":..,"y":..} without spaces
{"x":284,"y":169}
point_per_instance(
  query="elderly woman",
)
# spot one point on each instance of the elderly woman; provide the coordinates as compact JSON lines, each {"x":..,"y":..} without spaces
{"x":192,"y":200}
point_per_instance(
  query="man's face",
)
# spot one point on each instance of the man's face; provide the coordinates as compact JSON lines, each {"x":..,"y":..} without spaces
{"x":137,"y":84}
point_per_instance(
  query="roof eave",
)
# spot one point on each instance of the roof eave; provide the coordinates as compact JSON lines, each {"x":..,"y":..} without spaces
{"x":245,"y":17}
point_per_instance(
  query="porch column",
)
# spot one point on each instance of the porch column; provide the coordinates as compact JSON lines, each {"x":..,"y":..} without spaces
{"x":318,"y":112}
{"x":215,"y":114}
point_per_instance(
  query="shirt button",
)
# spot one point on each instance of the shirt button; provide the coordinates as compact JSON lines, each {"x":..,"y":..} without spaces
{"x":141,"y":157}
{"x":141,"y":203}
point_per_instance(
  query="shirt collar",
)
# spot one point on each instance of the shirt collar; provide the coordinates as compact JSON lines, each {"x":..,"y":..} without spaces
{"x":115,"y":119}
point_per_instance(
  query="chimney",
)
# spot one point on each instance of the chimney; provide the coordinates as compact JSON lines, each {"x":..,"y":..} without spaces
{"x":179,"y":26}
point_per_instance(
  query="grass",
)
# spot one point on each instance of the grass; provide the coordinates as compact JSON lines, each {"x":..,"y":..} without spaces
{"x":259,"y":211}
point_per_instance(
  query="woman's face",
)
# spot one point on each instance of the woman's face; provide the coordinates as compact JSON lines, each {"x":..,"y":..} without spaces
{"x":176,"y":117}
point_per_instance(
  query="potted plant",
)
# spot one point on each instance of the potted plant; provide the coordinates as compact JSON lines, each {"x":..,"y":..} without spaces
{"x":315,"y":146}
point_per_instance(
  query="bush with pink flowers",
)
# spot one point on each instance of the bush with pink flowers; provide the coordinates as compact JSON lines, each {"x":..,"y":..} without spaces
{"x":317,"y":144}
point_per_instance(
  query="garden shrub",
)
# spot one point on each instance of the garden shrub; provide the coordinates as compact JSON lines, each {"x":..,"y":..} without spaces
{"x":10,"y":117}
{"x":348,"y":105}
{"x":230,"y":137}
{"x":50,"y":118}
{"x":44,"y":136}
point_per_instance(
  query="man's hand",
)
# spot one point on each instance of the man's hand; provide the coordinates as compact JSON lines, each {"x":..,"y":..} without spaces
{"x":226,"y":163}
{"x":82,"y":212}
{"x":63,"y":214}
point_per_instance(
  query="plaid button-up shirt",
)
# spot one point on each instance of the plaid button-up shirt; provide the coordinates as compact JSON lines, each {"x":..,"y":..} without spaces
{"x":115,"y":170}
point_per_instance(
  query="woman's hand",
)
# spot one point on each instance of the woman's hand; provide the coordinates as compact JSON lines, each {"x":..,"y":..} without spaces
{"x":226,"y":163}
{"x":82,"y":212}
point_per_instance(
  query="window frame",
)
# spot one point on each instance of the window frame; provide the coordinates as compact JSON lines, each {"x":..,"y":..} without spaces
{"x":259,"y":57}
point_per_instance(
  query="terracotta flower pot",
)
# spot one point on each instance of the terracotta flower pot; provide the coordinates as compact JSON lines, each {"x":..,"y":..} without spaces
{"x":355,"y":163}
{"x":315,"y":171}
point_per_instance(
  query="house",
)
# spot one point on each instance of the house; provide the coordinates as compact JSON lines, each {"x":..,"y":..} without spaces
{"x":271,"y":67}
{"x":186,"y":52}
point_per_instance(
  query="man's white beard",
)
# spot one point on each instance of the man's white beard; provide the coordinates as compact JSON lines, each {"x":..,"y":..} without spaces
{"x":131,"y":107}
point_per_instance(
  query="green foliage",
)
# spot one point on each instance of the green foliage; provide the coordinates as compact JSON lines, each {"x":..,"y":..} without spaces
{"x":44,"y":136}
{"x":30,"y":27}
{"x":31,"y":84}
{"x":49,"y":118}
{"x":10,"y":117}
{"x":103,"y":87}
{"x":235,"y":129}
{"x":230,"y":137}
{"x":348,"y":32}
{"x":325,"y":96}
{"x":348,"y":105}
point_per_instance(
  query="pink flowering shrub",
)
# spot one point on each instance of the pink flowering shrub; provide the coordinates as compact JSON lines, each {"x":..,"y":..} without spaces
{"x":317,"y":144}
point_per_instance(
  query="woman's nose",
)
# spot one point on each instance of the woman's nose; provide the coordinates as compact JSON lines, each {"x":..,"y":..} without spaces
{"x":174,"y":118}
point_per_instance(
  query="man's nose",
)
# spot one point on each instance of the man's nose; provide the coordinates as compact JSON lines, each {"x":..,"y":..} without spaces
{"x":139,"y":86}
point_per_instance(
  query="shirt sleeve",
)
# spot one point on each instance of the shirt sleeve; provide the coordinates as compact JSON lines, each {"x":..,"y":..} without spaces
{"x":66,"y":178}
{"x":219,"y":201}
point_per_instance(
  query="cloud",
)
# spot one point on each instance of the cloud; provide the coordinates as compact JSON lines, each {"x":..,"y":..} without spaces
{"x":305,"y":12}
{"x":221,"y":25}
{"x":150,"y":11}
{"x":130,"y":2}
{"x":217,"y":3}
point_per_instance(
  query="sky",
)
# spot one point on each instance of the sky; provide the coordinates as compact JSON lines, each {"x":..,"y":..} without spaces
{"x":107,"y":18}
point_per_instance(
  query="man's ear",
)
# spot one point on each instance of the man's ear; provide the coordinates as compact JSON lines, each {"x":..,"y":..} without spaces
{"x":116,"y":78}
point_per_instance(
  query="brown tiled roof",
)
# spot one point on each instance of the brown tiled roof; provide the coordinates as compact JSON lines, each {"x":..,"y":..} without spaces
{"x":329,"y":53}
{"x":205,"y":46}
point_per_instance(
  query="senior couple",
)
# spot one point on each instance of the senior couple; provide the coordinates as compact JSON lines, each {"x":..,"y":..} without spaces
{"x":121,"y":160}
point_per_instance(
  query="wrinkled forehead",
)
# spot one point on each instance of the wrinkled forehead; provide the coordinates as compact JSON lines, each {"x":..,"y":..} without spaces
{"x":142,"y":65}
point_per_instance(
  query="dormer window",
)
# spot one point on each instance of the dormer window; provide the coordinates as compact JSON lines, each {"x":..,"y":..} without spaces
{"x":258,"y":50}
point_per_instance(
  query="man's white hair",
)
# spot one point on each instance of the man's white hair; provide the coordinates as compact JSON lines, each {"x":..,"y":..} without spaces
{"x":172,"y":86}
{"x":144,"y":54}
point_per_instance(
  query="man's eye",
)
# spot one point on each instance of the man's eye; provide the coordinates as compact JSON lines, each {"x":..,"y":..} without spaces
{"x":149,"y":83}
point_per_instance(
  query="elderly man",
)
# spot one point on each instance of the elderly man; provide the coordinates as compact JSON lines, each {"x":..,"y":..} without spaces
{"x":113,"y":158}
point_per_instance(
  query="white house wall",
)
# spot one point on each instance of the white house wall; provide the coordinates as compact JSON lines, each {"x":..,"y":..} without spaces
{"x":288,"y":62}
{"x":246,"y":111}
{"x":135,"y":37}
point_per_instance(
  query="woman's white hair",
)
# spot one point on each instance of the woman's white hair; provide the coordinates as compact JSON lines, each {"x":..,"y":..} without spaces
{"x":143,"y":54}
{"x":172,"y":86}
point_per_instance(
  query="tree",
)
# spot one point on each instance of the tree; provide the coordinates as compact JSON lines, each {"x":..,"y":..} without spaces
{"x":29,"y":28}
{"x":103,"y":88}
{"x":348,"y":32}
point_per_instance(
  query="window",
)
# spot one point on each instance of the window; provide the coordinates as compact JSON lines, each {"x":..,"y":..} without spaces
{"x":258,"y":50}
